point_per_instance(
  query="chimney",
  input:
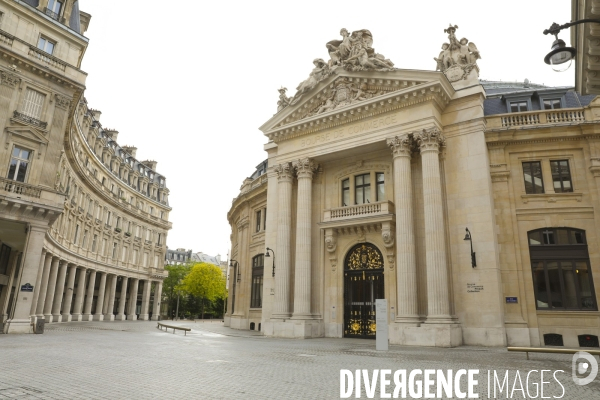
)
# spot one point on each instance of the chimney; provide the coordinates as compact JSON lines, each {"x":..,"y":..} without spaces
{"x":150,"y":164}
{"x":131,"y":150}
{"x":84,"y":19}
{"x":96,"y":114}
{"x":111,"y":133}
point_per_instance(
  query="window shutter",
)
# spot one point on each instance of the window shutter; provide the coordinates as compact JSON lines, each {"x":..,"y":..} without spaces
{"x":32,"y":105}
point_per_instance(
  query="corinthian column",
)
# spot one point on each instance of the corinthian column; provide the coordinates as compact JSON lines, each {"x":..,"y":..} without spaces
{"x":302,"y":277}
{"x":284,"y":236}
{"x":406,"y":270}
{"x":438,"y":301}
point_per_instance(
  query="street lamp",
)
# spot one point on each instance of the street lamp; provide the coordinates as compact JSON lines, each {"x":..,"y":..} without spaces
{"x":267,"y":255}
{"x":468,"y":237}
{"x":561,"y":56}
{"x":237,"y":267}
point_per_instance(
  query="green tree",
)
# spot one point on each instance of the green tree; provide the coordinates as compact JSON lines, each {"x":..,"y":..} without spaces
{"x":172,"y":284}
{"x":206,"y":282}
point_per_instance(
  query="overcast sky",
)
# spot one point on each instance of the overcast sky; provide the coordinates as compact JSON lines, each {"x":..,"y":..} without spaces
{"x":189,"y":82}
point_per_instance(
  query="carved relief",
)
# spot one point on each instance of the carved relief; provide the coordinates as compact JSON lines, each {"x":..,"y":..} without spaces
{"x":429,"y":139}
{"x":305,"y":167}
{"x":8,"y":79}
{"x":63,"y":102}
{"x":283,"y":101}
{"x":331,"y":246}
{"x":457,"y":58}
{"x":284,"y":171}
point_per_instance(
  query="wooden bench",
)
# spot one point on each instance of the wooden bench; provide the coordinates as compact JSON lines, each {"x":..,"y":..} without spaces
{"x":161,"y":325}
{"x":528,"y":350}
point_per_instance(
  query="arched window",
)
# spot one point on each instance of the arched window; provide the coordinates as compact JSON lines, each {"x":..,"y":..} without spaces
{"x":258,"y":267}
{"x":560,"y":263}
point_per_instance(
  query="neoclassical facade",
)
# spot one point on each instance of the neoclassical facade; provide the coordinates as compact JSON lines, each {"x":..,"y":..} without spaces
{"x":83,"y":223}
{"x":471,"y":207}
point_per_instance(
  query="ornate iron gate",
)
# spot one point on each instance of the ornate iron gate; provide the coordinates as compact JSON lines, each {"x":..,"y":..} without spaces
{"x":363,"y":284}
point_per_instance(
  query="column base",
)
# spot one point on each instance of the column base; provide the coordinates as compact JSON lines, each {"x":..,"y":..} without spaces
{"x":132,"y":317}
{"x":66,"y":318}
{"x":56,"y":318}
{"x":144,"y":317}
{"x":408,"y":320}
{"x":428,"y":334}
{"x":18,"y":326}
{"x":120,"y":317}
{"x":49,"y":318}
{"x":155,"y":317}
{"x":297,"y":329}
{"x":109,"y":317}
{"x":76,"y":317}
{"x":97,"y":317}
{"x":87,"y":317}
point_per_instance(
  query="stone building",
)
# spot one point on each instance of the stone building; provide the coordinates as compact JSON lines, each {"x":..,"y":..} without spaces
{"x":83,"y":223}
{"x":470,"y":206}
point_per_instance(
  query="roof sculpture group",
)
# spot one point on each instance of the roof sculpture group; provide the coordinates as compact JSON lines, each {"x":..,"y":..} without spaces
{"x":354,"y":52}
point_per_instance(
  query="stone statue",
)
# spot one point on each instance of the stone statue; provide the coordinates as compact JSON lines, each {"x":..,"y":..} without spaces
{"x":320,"y":72}
{"x":355,"y":52}
{"x":457,"y":58}
{"x":283,"y":101}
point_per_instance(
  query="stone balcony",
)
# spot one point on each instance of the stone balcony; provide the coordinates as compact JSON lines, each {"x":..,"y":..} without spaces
{"x":540,"y":118}
{"x":25,"y":202}
{"x":359,"y":214}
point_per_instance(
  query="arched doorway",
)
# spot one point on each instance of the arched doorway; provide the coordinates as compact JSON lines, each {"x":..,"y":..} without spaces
{"x":363,"y":284}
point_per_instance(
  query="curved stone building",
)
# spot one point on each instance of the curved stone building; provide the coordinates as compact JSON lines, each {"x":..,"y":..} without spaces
{"x":470,"y":206}
{"x":83,"y":223}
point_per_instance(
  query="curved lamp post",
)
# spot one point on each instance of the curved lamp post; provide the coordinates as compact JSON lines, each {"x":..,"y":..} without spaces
{"x":561,"y":56}
{"x":468,"y":237}
{"x":267,"y":255}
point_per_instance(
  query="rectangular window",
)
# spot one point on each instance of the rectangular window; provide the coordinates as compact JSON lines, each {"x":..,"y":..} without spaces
{"x":145,"y":260}
{"x":33,"y":103}
{"x":257,"y":281}
{"x":518,"y":106}
{"x":85,"y":236}
{"x":159,"y":239}
{"x":135,"y":256}
{"x":346,"y":192}
{"x":380,"y":178}
{"x":551,"y":104}
{"x":362,"y":188}
{"x":148,"y":234}
{"x":104,"y":249}
{"x":108,"y":218}
{"x":561,"y":176}
{"x":258,"y":220}
{"x":114,"y":251}
{"x":124,"y":255}
{"x":532,"y":173}
{"x":76,"y":235}
{"x":46,"y":45}
{"x":17,"y":170}
{"x":265,"y":219}
{"x":53,"y":9}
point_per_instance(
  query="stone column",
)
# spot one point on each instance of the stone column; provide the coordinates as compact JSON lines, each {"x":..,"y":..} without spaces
{"x":131,"y":315}
{"x":406,"y":269}
{"x":99,"y":311}
{"x":77,"y":308}
{"x":38,"y":282}
{"x":110,"y":306}
{"x":284,"y":235}
{"x":145,"y":300}
{"x":58,"y":292}
{"x":68,"y":298}
{"x":44,"y":286}
{"x":157,"y":296}
{"x":89,"y":297}
{"x":438,"y":300}
{"x":5,"y":297}
{"x":302,"y":276}
{"x":51,"y":289}
{"x":21,"y":316}
{"x":122,"y":300}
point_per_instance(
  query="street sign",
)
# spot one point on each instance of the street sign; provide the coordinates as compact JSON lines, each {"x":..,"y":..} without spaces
{"x":27,"y":288}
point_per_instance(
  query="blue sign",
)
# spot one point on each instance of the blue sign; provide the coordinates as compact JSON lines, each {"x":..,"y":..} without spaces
{"x":27,"y":288}
{"x":512,"y":300}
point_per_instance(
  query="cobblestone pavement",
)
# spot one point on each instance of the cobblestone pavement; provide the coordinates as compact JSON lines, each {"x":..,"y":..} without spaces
{"x":134,"y":360}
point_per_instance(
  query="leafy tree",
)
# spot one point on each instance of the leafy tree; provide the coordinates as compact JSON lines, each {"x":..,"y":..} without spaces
{"x":172,"y":284}
{"x":206,"y":282}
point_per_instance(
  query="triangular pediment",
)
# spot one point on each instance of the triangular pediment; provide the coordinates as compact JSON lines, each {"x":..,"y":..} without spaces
{"x":27,"y":133}
{"x":347,"y":96}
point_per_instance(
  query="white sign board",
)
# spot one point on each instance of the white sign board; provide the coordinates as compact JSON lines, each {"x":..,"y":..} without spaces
{"x":381,"y":319}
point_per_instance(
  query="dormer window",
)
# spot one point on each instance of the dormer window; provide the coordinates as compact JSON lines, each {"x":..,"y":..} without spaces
{"x":518,"y":106}
{"x":54,"y":8}
{"x":551,"y":104}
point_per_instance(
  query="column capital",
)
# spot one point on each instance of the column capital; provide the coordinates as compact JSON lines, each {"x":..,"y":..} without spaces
{"x":401,"y":145}
{"x":430,"y":139}
{"x":305,"y":167}
{"x":284,"y":172}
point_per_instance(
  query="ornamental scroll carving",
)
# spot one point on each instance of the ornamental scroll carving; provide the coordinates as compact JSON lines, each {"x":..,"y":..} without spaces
{"x":457,"y":58}
{"x":429,"y":139}
{"x":387,"y":234}
{"x":63,"y":102}
{"x":8,"y":79}
{"x":331,"y":246}
{"x":284,"y":171}
{"x":305,"y":167}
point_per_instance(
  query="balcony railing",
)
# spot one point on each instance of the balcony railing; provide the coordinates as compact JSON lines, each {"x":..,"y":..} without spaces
{"x":47,"y":58}
{"x":30,"y":120}
{"x":358,"y":211}
{"x":21,"y":188}
{"x":51,"y":14}
{"x":6,"y":38}
{"x":536,"y":118}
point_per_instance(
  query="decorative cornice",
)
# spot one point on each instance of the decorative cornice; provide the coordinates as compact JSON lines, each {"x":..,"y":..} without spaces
{"x":401,"y":145}
{"x":500,"y":176}
{"x":305,"y":167}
